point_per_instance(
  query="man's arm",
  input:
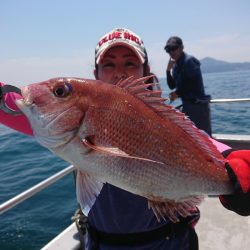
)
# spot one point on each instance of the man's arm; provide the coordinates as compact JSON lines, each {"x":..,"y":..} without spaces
{"x":238,"y":169}
{"x":170,"y":81}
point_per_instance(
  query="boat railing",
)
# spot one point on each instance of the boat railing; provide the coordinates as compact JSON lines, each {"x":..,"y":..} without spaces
{"x":230,"y":100}
{"x":237,"y":141}
{"x":35,"y":189}
{"x":68,"y":239}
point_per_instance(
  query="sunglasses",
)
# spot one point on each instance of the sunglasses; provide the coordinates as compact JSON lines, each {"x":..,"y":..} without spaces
{"x":170,"y":49}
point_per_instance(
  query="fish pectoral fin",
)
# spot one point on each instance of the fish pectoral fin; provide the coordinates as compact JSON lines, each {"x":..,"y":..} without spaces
{"x":109,"y":150}
{"x":87,"y":190}
{"x":114,"y":151}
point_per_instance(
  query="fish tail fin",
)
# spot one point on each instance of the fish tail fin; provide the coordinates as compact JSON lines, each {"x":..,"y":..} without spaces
{"x":87,"y":190}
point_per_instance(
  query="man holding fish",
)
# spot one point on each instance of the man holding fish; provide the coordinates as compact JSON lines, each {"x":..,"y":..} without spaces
{"x":121,"y":137}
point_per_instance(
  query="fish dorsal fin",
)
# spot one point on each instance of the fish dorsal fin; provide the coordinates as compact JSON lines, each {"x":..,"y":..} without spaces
{"x":153,"y":99}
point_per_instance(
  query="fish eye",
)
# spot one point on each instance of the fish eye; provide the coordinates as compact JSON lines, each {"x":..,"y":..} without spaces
{"x":62,"y":90}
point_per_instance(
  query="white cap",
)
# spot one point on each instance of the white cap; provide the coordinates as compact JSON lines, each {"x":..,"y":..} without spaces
{"x":123,"y":37}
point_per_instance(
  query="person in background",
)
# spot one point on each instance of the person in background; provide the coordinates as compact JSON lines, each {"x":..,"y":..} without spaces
{"x":184,"y":75}
{"x":119,"y":219}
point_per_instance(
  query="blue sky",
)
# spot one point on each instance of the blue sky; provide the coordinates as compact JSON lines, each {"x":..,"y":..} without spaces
{"x":41,"y":39}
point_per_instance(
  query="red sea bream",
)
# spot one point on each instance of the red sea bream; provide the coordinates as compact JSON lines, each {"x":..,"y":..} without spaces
{"x":127,"y":136}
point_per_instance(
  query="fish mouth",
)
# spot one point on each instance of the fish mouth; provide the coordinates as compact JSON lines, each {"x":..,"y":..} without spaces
{"x":26,"y":96}
{"x":24,"y":103}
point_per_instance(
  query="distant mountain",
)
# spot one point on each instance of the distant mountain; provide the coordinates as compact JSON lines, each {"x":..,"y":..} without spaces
{"x":209,"y":65}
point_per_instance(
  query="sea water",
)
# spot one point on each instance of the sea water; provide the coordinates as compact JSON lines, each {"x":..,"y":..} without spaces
{"x":24,"y":163}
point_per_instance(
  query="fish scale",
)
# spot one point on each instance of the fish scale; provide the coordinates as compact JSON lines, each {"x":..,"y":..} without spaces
{"x":141,"y":147}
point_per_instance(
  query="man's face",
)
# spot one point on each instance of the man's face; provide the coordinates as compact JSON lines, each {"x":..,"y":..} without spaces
{"x":119,"y":63}
{"x":176,"y":53}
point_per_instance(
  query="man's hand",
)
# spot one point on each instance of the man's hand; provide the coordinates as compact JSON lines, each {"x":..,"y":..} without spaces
{"x":171,"y":63}
{"x":238,"y":169}
{"x":173,"y":96}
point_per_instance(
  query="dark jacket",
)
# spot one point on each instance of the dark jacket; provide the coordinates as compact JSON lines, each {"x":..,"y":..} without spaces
{"x":120,"y":212}
{"x":187,"y":79}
